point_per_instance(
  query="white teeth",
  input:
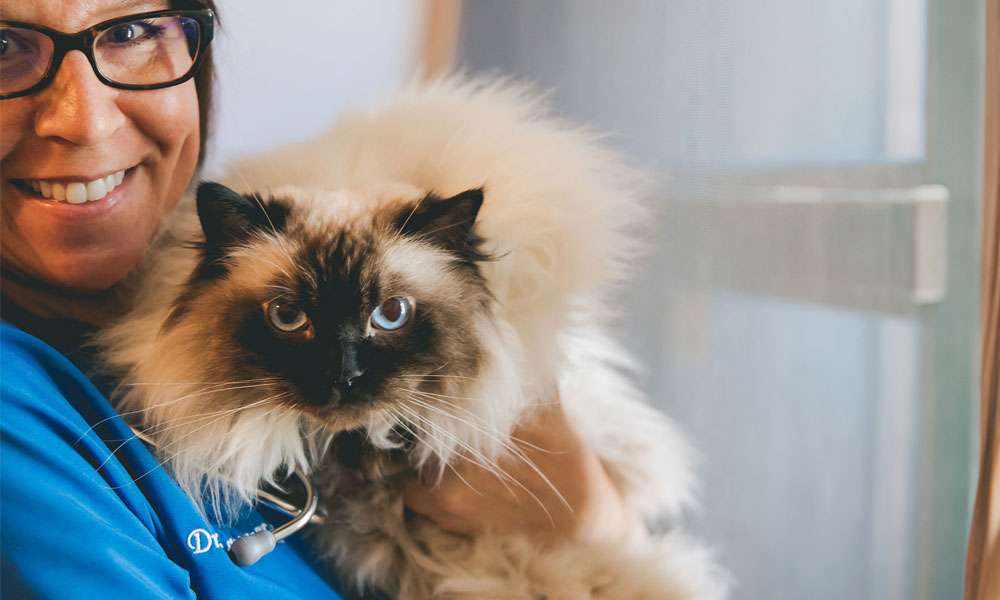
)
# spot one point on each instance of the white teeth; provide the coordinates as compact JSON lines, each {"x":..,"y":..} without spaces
{"x":96,"y":190}
{"x":78,"y":192}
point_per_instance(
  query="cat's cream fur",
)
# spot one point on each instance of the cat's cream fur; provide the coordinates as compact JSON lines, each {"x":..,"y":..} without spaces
{"x":561,"y":213}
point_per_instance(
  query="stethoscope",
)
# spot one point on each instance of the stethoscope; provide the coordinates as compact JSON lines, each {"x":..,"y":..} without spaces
{"x":252,"y":546}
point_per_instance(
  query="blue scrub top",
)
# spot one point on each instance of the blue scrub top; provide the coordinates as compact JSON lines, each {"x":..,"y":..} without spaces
{"x":80,"y":521}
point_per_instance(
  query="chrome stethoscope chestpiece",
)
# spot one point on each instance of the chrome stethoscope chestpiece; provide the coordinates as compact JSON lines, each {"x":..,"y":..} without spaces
{"x":249,"y":548}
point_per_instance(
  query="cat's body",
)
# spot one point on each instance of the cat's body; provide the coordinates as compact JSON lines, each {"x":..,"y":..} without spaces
{"x":281,"y":328}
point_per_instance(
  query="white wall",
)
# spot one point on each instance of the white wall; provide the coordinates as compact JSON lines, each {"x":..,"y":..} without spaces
{"x":286,"y":69}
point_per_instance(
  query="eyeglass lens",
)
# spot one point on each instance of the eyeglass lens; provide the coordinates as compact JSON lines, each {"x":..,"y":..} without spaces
{"x":25,"y":55}
{"x":148,"y":51}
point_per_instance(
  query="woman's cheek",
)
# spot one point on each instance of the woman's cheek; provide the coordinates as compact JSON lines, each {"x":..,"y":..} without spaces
{"x":170,"y":119}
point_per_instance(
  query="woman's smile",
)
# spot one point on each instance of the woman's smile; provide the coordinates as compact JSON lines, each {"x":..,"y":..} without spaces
{"x":73,"y":190}
{"x":72,"y":200}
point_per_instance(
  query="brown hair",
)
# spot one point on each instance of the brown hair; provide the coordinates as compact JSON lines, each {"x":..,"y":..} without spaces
{"x":204,"y":83}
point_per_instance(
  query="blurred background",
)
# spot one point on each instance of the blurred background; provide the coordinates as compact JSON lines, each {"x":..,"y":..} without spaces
{"x":808,"y":310}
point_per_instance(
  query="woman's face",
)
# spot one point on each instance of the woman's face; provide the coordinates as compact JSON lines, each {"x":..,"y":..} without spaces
{"x":79,"y":130}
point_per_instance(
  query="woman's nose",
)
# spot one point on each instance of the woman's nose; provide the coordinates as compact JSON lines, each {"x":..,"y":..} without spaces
{"x":77,"y":107}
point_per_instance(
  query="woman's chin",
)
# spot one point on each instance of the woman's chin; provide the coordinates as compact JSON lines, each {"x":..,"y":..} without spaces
{"x":86,"y":275}
{"x":95,"y":283}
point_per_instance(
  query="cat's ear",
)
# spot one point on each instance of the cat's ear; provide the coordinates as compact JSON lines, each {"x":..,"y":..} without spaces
{"x":447,"y":222}
{"x":228,"y":217}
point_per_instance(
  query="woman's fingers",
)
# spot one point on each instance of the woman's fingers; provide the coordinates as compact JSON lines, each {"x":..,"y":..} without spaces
{"x":450,"y":504}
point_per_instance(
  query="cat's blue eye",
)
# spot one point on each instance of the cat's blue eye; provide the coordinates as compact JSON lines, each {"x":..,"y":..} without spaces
{"x":286,"y":317}
{"x":392,"y":314}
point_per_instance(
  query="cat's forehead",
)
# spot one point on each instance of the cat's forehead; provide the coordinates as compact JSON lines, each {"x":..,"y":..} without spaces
{"x":318,"y":212}
{"x":345,"y":236}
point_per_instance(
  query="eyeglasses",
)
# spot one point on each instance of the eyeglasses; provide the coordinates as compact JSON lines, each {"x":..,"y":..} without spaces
{"x":147,"y":51}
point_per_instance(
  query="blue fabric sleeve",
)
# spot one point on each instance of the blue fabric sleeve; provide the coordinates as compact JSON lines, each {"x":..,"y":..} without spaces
{"x":67,"y":531}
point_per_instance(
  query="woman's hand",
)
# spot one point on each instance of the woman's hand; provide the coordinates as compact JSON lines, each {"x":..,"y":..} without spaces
{"x":471,"y":499}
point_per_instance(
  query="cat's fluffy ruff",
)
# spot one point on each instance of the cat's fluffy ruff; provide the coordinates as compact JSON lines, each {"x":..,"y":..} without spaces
{"x":559,"y":212}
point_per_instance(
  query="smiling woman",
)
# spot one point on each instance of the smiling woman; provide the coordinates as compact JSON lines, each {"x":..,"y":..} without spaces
{"x":103,"y":117}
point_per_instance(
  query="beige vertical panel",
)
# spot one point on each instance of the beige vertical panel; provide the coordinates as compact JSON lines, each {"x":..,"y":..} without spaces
{"x":440,"y":36}
{"x":982,"y":577}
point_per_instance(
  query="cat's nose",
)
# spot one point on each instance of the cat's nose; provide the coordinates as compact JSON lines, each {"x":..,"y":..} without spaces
{"x":350,"y":369}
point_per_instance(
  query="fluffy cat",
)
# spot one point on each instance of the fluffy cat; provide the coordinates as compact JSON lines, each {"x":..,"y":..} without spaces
{"x":409,"y":286}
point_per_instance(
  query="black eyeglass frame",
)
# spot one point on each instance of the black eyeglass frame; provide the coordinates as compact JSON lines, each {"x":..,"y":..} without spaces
{"x":84,"y":42}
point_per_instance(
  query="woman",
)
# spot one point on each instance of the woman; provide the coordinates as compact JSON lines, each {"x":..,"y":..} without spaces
{"x":100,"y":135}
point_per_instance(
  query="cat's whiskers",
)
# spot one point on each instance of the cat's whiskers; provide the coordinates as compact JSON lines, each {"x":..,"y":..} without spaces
{"x":217,"y":464}
{"x":173,"y":456}
{"x":480,"y":422}
{"x":482,"y":462}
{"x":205,"y":383}
{"x":211,"y":388}
{"x":216,"y":389}
{"x":168,"y":425}
{"x":155,"y":430}
{"x":223,"y":414}
{"x":438,"y":395}
{"x":512,"y":448}
{"x":438,"y":369}
{"x":440,"y":398}
{"x":401,"y":421}
{"x":430,"y":377}
{"x":205,"y":392}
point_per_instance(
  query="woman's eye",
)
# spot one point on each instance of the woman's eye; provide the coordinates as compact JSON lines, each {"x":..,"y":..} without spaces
{"x":286,"y":317}
{"x":131,"y":32}
{"x":392,"y":314}
{"x":12,"y":44}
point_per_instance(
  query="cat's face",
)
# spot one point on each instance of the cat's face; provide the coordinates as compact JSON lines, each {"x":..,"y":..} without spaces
{"x":348,"y":305}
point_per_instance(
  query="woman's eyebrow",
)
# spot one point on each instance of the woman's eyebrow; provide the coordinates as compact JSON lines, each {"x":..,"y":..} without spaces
{"x":122,"y":8}
{"x":88,"y":14}
{"x":103,"y":11}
